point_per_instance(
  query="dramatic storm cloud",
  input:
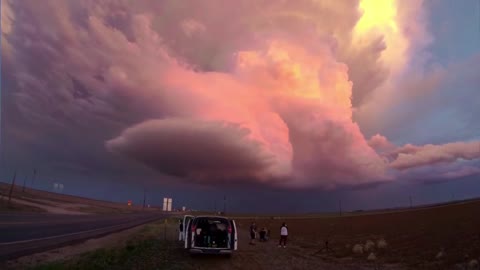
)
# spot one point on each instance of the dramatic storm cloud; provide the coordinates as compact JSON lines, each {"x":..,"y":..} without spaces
{"x":278,"y":93}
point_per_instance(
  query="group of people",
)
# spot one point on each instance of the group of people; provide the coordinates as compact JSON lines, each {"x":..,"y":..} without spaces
{"x":265,"y":234}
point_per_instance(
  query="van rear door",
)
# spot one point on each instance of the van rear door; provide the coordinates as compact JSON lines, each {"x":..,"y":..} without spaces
{"x":187,"y":224}
{"x":186,"y":219}
{"x":234,"y":238}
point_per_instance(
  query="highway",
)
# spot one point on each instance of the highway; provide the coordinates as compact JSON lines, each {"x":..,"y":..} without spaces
{"x":26,"y":233}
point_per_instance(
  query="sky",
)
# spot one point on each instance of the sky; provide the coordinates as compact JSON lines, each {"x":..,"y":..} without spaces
{"x":279,"y":106}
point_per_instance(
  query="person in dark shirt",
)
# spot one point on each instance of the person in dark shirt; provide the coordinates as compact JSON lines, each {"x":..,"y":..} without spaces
{"x":253,"y":233}
{"x":263,"y":235}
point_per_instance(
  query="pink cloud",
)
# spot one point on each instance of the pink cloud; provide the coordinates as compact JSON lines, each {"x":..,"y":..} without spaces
{"x":191,"y":27}
{"x":273,"y":93}
{"x":415,"y":156}
{"x":380,"y":143}
{"x":428,"y":161}
{"x":439,"y":172}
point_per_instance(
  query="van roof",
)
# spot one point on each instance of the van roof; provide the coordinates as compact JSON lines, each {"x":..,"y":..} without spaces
{"x":220,"y":217}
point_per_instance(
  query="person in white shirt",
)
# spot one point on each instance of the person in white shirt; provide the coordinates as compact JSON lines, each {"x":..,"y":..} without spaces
{"x":283,"y":235}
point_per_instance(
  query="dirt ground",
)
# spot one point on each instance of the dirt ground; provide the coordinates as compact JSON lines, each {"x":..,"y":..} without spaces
{"x":267,"y":255}
{"x":414,"y":238}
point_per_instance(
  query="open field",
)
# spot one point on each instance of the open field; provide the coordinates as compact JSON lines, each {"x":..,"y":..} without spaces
{"x":414,"y":239}
{"x":39,"y":200}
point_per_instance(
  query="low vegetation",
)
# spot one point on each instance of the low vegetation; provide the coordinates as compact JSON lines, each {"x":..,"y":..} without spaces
{"x":154,"y":247}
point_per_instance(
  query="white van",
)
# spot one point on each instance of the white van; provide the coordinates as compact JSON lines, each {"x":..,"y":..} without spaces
{"x":210,"y":235}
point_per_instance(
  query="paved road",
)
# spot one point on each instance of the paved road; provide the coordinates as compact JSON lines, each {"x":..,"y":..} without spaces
{"x":22,"y":233}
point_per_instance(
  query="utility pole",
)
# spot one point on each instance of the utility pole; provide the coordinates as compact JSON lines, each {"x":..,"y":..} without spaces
{"x":340,"y":206}
{"x":224,"y":204}
{"x":11,"y":187}
{"x":33,"y":178}
{"x":24,"y":183}
{"x":410,"y":198}
{"x":144,"y":198}
{"x":479,"y":18}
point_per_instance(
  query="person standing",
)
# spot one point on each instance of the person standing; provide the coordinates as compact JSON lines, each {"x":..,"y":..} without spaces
{"x":263,"y":234}
{"x":253,"y":233}
{"x":283,"y":236}
{"x":180,"y":232}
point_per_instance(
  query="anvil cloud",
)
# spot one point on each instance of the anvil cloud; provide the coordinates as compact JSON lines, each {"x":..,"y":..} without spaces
{"x":215,"y":91}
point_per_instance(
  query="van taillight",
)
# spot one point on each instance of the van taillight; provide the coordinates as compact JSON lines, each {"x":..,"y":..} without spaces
{"x":193,"y":228}
{"x":229,"y":229}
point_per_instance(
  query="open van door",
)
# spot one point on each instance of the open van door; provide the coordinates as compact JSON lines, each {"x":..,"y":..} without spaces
{"x":234,"y":237}
{"x":187,"y":224}
{"x":186,"y":219}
